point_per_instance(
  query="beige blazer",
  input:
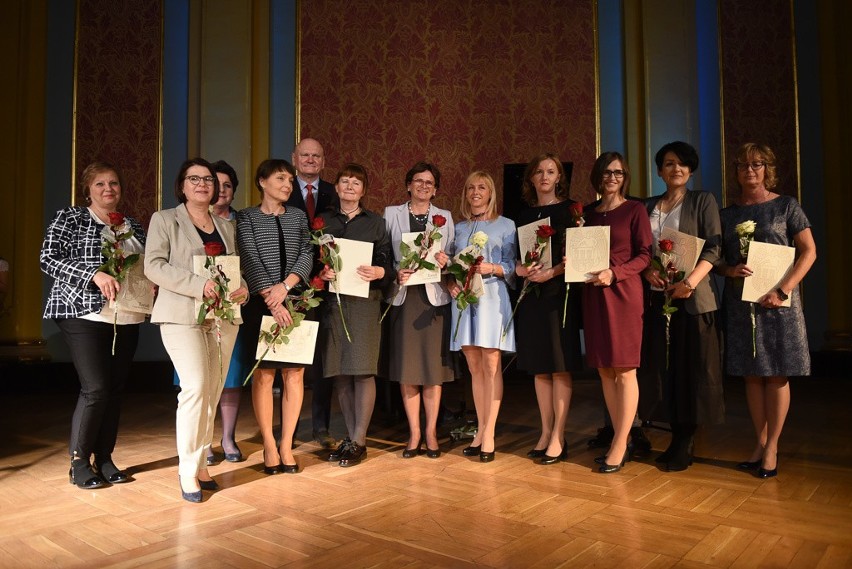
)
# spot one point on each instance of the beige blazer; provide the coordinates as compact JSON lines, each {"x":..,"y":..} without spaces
{"x":172,"y":242}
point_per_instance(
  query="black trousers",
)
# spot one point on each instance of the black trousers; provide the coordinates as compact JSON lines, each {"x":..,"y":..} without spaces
{"x":94,"y":426}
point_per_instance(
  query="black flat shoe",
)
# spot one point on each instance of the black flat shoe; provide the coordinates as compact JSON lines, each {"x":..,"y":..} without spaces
{"x":433,"y":452}
{"x":290,"y":468}
{"x":486,"y":456}
{"x":600,"y":459}
{"x":110,"y":472}
{"x":210,"y":485}
{"x":536,"y":453}
{"x":748,"y":465}
{"x":547,"y":459}
{"x":88,"y":484}
{"x":764,"y":473}
{"x":212,"y":460}
{"x":472,"y":450}
{"x":412,"y":452}
{"x":354,"y":455}
{"x":337,"y":454}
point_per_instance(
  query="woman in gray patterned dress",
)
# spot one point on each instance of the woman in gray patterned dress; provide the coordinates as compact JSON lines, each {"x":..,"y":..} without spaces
{"x":780,"y":347}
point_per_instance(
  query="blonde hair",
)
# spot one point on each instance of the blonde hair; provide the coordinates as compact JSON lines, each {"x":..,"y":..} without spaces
{"x":753,"y":151}
{"x":491,"y":209}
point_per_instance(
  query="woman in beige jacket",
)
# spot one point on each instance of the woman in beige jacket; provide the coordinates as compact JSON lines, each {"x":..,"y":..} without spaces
{"x":176,"y":236}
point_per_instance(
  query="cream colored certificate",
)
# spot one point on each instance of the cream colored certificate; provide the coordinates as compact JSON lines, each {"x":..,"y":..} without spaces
{"x":770,"y":264}
{"x":586,"y":251}
{"x":230,"y":265}
{"x":137,"y":292}
{"x":423,"y":275}
{"x":527,"y":241}
{"x":477,"y":286}
{"x":353,"y":254}
{"x":686,"y":251}
{"x":299,"y":347}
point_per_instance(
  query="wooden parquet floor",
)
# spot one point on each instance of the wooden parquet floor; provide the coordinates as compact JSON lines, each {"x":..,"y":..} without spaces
{"x":449,"y":512}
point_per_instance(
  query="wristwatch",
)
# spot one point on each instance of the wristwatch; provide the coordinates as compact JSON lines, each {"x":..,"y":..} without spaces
{"x":781,"y":294}
{"x":287,"y":287}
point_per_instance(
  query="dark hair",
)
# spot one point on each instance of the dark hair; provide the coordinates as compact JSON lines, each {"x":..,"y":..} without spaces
{"x":269,"y":167}
{"x":92,"y":170}
{"x":423,"y":167}
{"x":181,"y":177}
{"x":353,"y":170}
{"x":684,"y":152}
{"x":222,"y":167}
{"x":528,"y":191}
{"x":601,"y":163}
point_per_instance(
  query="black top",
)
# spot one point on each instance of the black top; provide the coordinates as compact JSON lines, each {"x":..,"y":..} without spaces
{"x":368,"y":227}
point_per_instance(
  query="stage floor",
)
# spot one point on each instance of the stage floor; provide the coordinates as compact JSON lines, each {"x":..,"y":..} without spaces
{"x":449,"y":512}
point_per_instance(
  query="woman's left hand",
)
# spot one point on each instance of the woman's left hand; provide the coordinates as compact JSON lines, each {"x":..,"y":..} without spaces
{"x":107,"y":284}
{"x":601,"y":278}
{"x":771,"y":300}
{"x":486,"y":269}
{"x":240,"y":295}
{"x":370,"y":273}
{"x":281,"y":315}
{"x":538,"y":274}
{"x":275,"y":295}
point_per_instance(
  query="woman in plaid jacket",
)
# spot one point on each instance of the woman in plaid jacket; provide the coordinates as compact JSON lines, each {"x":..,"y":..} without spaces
{"x":71,"y":254}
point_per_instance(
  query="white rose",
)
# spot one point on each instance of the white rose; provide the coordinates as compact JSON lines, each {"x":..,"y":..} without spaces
{"x":480,"y":238}
{"x":745,"y":228}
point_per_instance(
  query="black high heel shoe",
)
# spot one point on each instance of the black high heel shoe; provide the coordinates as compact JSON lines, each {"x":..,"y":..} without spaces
{"x":209,"y":485}
{"x":232,"y":456}
{"x":270,"y":470}
{"x":748,"y":465}
{"x":109,"y":471}
{"x":766,"y":473}
{"x":412,"y":452}
{"x":472,"y":450}
{"x":537,"y":453}
{"x":194,"y":497}
{"x":290,"y":468}
{"x":486,"y":456}
{"x":610,"y":468}
{"x":81,"y":475}
{"x":547,"y":459}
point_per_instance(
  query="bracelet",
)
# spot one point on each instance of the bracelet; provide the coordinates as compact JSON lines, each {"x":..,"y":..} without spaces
{"x":492,"y":269}
{"x":687,"y":285}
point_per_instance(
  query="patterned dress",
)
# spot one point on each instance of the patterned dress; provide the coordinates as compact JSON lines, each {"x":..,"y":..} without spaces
{"x":780,"y":334}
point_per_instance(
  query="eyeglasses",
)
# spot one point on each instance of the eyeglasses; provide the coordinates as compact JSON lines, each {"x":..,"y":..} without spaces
{"x":756,"y":165}
{"x":618,"y":174}
{"x":423,"y":183}
{"x":195,"y":180}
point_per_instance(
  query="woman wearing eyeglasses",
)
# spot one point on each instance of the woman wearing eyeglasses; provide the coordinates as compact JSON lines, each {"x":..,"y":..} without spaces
{"x":613,"y":300}
{"x":175,"y":236}
{"x":681,"y":376}
{"x":774,"y":346}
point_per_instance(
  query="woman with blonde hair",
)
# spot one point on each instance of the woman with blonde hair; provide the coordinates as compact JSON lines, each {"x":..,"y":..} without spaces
{"x":483,"y":330}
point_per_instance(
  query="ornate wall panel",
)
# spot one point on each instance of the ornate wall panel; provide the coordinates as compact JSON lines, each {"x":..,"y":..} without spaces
{"x":117,"y":103}
{"x":758,"y":85}
{"x":464,"y":84}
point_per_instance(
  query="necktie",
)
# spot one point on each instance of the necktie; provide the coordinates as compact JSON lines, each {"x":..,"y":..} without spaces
{"x":310,"y":203}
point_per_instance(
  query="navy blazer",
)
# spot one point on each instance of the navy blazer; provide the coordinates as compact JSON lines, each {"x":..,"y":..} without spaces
{"x":326,"y":198}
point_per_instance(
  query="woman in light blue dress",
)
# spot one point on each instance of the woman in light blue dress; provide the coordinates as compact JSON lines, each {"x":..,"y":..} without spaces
{"x":478,"y":330}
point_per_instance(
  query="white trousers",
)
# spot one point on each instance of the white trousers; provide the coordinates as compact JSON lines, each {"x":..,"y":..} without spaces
{"x":195,"y":355}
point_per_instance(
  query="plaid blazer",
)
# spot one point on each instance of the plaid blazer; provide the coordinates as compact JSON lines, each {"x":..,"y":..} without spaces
{"x":71,"y":254}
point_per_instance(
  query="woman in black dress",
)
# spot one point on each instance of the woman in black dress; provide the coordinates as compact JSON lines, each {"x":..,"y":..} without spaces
{"x":547,"y":349}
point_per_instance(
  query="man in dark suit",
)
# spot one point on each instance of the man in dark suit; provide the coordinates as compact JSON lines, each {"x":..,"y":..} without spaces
{"x":315,"y":196}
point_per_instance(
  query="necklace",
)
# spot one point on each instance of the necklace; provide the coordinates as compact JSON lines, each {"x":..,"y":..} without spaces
{"x":477,"y":215}
{"x":418,"y":217}
{"x":201,"y":225}
{"x":611,"y":207}
{"x":349,"y":213}
{"x":663,"y":216}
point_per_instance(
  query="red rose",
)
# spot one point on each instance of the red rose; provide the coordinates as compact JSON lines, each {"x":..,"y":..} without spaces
{"x":213,"y":248}
{"x":439,"y":220}
{"x":666,"y":245}
{"x":544,"y":231}
{"x":317,"y":283}
{"x":577,"y":209}
{"x":317,"y":224}
{"x":116,"y":218}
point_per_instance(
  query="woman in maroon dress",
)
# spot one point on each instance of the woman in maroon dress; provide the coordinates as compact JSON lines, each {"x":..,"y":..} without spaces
{"x":612,"y":300}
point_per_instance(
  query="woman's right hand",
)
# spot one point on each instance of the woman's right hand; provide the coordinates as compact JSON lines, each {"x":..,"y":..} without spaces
{"x":107,"y":284}
{"x":653,"y":277}
{"x":403,"y":275}
{"x":453,"y":288}
{"x":327,"y":273}
{"x":210,"y":289}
